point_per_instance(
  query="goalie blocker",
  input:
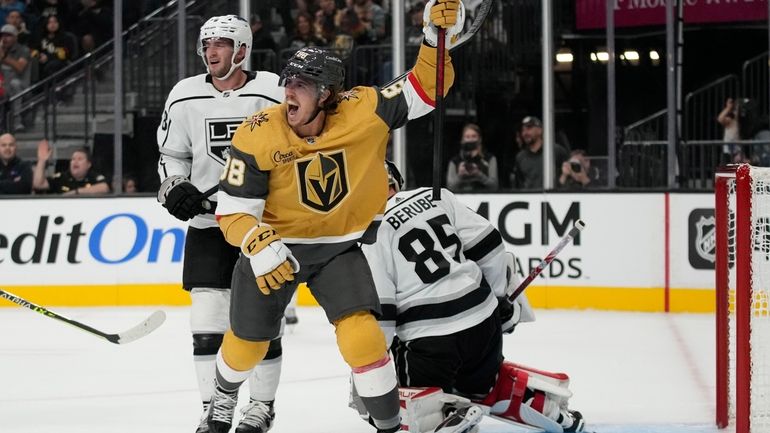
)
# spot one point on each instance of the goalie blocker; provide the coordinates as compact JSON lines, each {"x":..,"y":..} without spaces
{"x":522,"y":396}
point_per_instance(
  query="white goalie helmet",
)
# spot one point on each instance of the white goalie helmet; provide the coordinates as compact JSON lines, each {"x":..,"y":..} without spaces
{"x":230,"y":27}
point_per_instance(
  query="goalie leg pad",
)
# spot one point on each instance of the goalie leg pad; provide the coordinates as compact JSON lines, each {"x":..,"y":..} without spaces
{"x":421,"y":408}
{"x":530,"y":396}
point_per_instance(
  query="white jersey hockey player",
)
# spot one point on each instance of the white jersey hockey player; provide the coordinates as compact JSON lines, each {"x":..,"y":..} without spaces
{"x":199,"y":119}
{"x":443,"y":276}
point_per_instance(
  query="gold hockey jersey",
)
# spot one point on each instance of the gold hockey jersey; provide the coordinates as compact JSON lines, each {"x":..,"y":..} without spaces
{"x":322,"y":193}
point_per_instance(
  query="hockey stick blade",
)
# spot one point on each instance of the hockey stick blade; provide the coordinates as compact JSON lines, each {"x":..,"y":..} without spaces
{"x":574,"y":231}
{"x":147,"y":326}
{"x":481,"y":13}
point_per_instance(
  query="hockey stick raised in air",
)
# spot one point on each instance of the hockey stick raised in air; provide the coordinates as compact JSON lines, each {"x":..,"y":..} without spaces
{"x":579,"y":225}
{"x":148,"y":325}
{"x":438,"y":133}
{"x":480,"y":14}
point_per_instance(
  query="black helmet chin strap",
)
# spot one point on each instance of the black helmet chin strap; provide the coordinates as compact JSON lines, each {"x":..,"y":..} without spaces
{"x":318,"y":109}
{"x":315,"y":114}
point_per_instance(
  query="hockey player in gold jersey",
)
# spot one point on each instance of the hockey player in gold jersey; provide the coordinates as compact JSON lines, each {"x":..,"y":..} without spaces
{"x":302,"y":187}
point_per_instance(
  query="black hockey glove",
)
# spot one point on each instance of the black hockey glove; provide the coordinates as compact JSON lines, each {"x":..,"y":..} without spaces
{"x":509,"y":313}
{"x":181,"y":198}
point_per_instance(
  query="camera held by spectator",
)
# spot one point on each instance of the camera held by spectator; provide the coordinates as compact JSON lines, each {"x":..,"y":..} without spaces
{"x":472,"y":169}
{"x":577,"y":172}
{"x":470,"y":155}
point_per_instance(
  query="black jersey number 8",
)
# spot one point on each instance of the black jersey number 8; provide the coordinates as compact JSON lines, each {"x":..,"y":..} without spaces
{"x":429,"y":252}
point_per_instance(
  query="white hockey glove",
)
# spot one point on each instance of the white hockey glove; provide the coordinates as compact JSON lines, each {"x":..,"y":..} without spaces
{"x":272,"y":262}
{"x":448,"y":14}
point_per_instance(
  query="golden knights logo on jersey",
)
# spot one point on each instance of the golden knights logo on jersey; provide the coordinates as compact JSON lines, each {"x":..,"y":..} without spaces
{"x":219,"y":132}
{"x":323,"y":181}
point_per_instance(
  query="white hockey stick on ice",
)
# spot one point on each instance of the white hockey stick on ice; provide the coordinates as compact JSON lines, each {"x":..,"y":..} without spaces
{"x":148,"y":325}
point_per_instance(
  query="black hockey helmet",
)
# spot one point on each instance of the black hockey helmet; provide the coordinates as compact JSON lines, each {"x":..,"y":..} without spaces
{"x":318,"y":65}
{"x":394,"y":176}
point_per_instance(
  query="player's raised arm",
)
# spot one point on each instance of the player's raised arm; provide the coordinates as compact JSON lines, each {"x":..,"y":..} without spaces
{"x":413,"y":97}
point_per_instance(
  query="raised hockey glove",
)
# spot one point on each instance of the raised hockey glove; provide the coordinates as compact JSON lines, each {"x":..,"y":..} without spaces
{"x":272,"y":262}
{"x":510,"y":314}
{"x":181,"y":198}
{"x":447,"y":14}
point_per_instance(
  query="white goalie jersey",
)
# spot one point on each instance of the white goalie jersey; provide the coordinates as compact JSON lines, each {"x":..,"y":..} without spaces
{"x":438,"y":266}
{"x":198,"y":123}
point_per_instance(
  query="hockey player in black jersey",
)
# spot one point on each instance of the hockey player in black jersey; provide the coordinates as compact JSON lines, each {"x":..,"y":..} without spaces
{"x":199,"y":118}
{"x":443,"y":275}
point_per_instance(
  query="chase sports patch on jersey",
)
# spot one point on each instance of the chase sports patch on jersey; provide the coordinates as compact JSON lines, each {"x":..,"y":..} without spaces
{"x":219,"y":133}
{"x":323,"y":181}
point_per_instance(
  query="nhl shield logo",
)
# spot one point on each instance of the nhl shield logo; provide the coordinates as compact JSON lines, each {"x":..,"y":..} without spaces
{"x":705,"y":238}
{"x":702,"y":239}
{"x":323,"y":181}
{"x":219,"y":134}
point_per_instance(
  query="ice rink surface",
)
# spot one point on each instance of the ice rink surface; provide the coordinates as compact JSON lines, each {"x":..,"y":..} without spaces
{"x":631,"y":372}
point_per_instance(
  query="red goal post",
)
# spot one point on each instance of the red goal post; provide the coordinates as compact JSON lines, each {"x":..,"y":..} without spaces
{"x":742,"y":221}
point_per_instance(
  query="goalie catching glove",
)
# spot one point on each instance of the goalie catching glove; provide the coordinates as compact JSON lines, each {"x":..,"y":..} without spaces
{"x":181,"y":198}
{"x":272,"y":262}
{"x":447,"y":14}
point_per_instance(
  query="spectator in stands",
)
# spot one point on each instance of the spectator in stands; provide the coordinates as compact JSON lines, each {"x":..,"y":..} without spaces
{"x":414,"y":21}
{"x":364,"y":21}
{"x":15,"y":60}
{"x":304,"y":34}
{"x":325,"y":25}
{"x":54,"y":48}
{"x":261,"y":37}
{"x":472,"y":169}
{"x":728,"y":119}
{"x":46,"y":8}
{"x":754,"y":127}
{"x":17,"y":20}
{"x":528,"y":168}
{"x":309,"y":7}
{"x":93,"y":24}
{"x":6,"y":6}
{"x":130,"y":184}
{"x":577,"y":173}
{"x":79,"y":179}
{"x":15,"y":174}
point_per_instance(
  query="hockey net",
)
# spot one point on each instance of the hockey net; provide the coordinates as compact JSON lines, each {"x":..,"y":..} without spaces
{"x":742,"y":220}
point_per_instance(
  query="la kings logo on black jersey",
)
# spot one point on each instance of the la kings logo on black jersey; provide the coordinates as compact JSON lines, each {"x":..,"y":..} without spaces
{"x":323,"y":180}
{"x":219,"y":133}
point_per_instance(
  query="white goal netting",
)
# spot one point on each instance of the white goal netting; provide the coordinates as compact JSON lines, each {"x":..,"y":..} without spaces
{"x":759,"y":315}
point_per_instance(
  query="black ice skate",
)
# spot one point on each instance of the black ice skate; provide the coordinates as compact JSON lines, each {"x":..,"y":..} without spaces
{"x":572,"y":421}
{"x":463,"y":420}
{"x":258,"y":417}
{"x":203,"y":427}
{"x":221,"y":410}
